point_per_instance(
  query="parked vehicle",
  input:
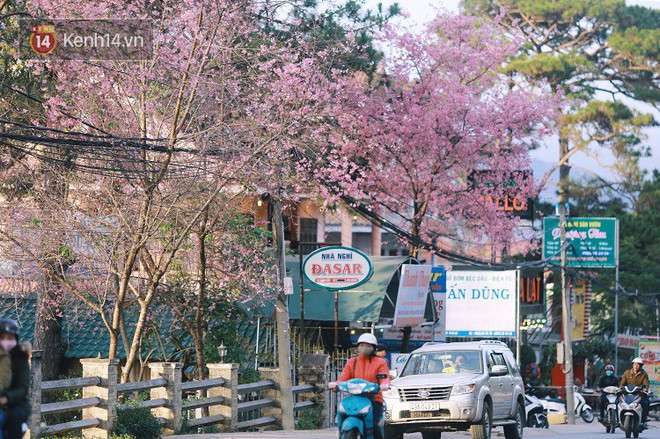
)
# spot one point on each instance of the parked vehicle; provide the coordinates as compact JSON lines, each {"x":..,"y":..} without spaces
{"x":654,"y":408}
{"x":558,"y":405}
{"x":471,"y":386}
{"x":630,"y":410}
{"x":535,"y":413}
{"x":355,"y":413}
{"x":611,"y":419}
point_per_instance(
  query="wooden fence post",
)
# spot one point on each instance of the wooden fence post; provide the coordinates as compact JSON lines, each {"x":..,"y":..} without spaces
{"x":172,"y":372}
{"x":34,"y":423}
{"x":108,"y":371}
{"x":272,"y":374}
{"x":229,"y":391}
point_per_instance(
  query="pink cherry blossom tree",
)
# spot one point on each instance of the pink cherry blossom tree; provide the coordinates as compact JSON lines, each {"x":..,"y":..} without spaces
{"x":411,"y":142}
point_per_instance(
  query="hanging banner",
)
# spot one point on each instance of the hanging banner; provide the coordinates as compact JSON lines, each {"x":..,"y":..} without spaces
{"x":593,"y":242}
{"x":411,"y":298}
{"x":481,"y":303}
{"x":438,"y":286}
{"x":337,"y":268}
{"x":580,"y":308}
{"x":649,"y":351}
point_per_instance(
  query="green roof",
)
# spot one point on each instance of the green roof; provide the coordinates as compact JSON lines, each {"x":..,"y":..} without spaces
{"x":363,"y":303}
{"x":85,"y":335}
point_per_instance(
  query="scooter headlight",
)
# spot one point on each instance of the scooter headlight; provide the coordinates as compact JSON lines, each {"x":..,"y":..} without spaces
{"x":341,"y":409}
{"x":356,"y":388}
{"x":392,"y":392}
{"x":365,"y":410}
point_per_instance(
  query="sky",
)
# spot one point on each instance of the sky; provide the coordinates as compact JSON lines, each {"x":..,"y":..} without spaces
{"x":418,"y":12}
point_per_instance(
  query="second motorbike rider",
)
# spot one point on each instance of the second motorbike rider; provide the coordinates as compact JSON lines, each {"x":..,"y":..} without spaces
{"x":609,"y":379}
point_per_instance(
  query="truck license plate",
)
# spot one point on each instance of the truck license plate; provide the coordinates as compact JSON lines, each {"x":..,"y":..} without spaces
{"x":424,"y":406}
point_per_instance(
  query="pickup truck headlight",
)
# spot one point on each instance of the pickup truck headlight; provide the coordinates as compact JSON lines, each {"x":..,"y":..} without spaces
{"x":460,"y":389}
{"x":392,"y":392}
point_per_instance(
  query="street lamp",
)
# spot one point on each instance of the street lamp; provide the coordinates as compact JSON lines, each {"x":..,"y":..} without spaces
{"x":222,"y":351}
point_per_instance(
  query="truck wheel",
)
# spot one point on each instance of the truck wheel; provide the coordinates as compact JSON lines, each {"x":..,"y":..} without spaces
{"x":515,"y":431}
{"x":392,"y":432}
{"x":482,"y":431}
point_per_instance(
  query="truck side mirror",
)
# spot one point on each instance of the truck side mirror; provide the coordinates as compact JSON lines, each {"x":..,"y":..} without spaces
{"x":394,"y":373}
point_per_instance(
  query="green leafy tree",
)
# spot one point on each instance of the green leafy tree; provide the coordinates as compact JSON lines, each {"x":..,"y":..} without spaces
{"x":583,"y":47}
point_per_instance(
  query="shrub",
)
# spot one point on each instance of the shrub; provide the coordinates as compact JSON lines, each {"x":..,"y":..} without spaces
{"x":137,"y":422}
{"x":310,"y":419}
{"x":61,"y":396}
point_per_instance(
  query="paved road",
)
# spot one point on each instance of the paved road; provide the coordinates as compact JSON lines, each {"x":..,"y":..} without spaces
{"x":578,"y":431}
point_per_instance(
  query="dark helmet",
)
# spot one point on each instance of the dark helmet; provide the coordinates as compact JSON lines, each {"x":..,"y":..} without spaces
{"x":609,"y":367}
{"x":10,"y":326}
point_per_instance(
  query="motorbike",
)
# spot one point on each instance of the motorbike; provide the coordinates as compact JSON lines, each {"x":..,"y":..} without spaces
{"x":558,"y":405}
{"x":611,"y":420}
{"x":535,"y":413}
{"x":630,"y":410}
{"x":355,"y":412}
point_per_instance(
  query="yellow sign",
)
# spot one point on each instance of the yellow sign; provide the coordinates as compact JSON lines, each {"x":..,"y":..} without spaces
{"x":580,"y":309}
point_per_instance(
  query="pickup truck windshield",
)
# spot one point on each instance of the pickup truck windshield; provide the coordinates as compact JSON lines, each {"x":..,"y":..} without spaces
{"x":446,"y":362}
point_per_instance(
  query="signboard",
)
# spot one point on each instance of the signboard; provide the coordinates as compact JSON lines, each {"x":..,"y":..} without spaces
{"x":580,"y":308}
{"x":398,"y":361}
{"x":531,"y":289}
{"x":649,"y":351}
{"x":481,"y":303}
{"x":594,"y":242}
{"x":337,"y":268}
{"x":411,"y":298}
{"x":511,"y":200}
{"x":438,"y":286}
{"x":627,"y":341}
{"x":419,"y":335}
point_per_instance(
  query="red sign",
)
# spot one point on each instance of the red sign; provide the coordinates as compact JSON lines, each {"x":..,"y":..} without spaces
{"x":43,"y":40}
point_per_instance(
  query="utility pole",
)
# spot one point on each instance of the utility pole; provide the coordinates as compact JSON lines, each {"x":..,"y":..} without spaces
{"x":282,"y":321}
{"x":566,"y":316}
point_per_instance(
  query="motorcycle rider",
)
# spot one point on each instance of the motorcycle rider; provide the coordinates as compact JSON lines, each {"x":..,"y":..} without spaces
{"x":609,"y":379}
{"x":369,"y":367}
{"x":638,"y":377}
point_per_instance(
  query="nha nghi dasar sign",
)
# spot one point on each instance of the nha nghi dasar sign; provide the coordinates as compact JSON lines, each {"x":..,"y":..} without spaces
{"x":337,"y":268}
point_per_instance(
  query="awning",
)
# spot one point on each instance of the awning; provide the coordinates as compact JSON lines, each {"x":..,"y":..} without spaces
{"x":363,"y":303}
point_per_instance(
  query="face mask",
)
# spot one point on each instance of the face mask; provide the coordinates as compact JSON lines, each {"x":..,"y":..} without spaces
{"x":8,"y":345}
{"x":365,"y":351}
{"x":609,"y":373}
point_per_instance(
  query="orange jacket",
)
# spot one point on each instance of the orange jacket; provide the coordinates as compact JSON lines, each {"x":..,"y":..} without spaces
{"x":367,"y":369}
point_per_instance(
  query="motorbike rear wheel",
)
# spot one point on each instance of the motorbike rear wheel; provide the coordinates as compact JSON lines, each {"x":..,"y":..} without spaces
{"x":354,"y":434}
{"x":613,"y":421}
{"x":587,"y":415}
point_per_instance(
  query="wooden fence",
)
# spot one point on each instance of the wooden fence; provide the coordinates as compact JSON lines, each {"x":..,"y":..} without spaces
{"x":224,"y":403}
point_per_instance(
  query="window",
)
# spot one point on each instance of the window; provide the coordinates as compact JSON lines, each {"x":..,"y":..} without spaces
{"x":497,"y":359}
{"x":308,"y":229}
{"x":445,"y":362}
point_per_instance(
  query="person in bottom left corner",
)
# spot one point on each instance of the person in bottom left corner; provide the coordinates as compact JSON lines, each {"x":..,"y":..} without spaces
{"x":14,"y":398}
{"x":5,"y":382}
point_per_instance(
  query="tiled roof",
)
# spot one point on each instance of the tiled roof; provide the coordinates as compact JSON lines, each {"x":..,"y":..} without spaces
{"x":85,"y":335}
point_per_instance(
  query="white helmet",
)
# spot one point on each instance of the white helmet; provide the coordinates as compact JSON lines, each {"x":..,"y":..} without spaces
{"x":368,"y":338}
{"x":638,"y":360}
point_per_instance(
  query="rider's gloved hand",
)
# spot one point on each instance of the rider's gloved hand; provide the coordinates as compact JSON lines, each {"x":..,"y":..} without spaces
{"x":384,"y":387}
{"x":332,"y":385}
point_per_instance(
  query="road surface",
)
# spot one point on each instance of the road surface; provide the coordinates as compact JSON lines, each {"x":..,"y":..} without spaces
{"x":578,"y":431}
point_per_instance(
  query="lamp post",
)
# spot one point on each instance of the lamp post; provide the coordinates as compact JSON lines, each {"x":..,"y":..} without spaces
{"x":222,"y":351}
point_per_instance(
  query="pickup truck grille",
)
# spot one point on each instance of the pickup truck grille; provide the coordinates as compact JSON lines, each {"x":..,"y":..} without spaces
{"x":425,"y":394}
